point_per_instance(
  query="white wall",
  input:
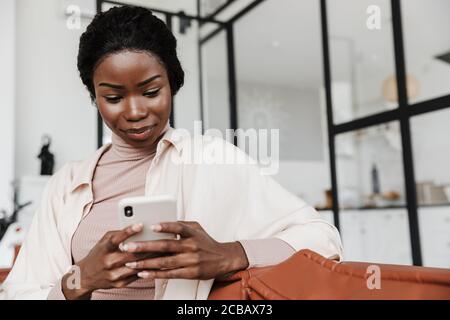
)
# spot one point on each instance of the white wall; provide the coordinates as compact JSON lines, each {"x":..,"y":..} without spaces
{"x":7,"y":55}
{"x":50,"y":96}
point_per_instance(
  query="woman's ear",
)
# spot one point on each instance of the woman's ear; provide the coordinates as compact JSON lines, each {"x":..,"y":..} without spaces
{"x":94,"y":101}
{"x":93,"y":98}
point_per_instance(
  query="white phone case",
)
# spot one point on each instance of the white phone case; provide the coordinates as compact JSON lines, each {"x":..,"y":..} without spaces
{"x":149,"y":211}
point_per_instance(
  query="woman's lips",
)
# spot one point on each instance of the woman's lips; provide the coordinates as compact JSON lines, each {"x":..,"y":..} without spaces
{"x":140,"y":133}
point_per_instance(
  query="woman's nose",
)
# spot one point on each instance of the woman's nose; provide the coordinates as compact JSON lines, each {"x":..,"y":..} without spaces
{"x":136,"y":110}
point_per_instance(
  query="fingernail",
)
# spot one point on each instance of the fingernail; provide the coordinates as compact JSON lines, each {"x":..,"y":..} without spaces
{"x":131,"y":264}
{"x":156,"y":227}
{"x":124,"y":247}
{"x":137,"y":227}
{"x":143,"y":275}
{"x":130,"y":247}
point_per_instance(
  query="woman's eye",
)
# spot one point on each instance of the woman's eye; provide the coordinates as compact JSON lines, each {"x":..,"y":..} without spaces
{"x":113,"y":99}
{"x":152,"y":94}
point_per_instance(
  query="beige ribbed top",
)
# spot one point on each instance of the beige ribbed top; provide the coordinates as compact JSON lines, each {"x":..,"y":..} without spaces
{"x":120,"y":173}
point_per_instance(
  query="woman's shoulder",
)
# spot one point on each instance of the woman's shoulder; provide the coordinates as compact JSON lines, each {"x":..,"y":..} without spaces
{"x":241,"y":151}
{"x":74,"y":173}
{"x":212,"y":149}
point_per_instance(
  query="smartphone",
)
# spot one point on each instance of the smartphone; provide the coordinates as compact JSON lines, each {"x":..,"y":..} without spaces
{"x":149,"y":211}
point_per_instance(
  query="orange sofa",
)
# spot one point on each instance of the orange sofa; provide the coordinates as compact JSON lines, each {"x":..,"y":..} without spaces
{"x":4,"y":272}
{"x":307,"y":275}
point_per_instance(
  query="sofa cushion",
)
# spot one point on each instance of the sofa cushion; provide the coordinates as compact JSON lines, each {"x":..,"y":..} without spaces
{"x":307,"y":275}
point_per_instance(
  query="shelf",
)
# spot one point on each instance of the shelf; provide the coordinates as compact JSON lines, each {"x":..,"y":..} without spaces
{"x":386,"y":207}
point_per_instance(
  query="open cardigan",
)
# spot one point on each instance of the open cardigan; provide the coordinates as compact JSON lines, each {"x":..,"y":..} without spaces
{"x":214,"y":183}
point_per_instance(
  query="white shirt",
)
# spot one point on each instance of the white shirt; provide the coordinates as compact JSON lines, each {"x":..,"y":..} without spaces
{"x":231,"y":201}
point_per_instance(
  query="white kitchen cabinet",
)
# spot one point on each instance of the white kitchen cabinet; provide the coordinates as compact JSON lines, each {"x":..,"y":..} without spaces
{"x":379,"y":236}
{"x":382,"y":236}
{"x":434,"y":228}
{"x":352,"y":233}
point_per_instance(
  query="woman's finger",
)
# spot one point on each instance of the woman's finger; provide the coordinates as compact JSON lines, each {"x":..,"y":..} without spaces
{"x":125,"y":282}
{"x":170,"y":262}
{"x":118,"y":237}
{"x":160,"y":246}
{"x":184,"y":230}
{"x":118,"y":259}
{"x":121,"y":274}
{"x":193,"y":224}
{"x":181,"y":273}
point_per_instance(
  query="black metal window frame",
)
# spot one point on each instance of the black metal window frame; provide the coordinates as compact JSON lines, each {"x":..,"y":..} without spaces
{"x":402,"y":114}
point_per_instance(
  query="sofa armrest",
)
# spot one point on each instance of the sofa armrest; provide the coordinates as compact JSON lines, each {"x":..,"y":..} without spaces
{"x":4,"y":274}
{"x":307,"y":275}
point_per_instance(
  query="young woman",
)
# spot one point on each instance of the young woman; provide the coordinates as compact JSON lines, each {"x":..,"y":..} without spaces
{"x":230,"y":216}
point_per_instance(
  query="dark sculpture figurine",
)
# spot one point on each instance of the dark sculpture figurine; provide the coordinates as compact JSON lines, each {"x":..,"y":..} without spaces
{"x":47,"y":158}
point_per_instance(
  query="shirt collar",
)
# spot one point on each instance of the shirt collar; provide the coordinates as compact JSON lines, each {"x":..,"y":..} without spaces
{"x":84,"y":172}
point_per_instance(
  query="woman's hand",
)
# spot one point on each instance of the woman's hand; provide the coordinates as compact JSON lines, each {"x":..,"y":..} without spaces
{"x":194,"y":256}
{"x":104,"y":266}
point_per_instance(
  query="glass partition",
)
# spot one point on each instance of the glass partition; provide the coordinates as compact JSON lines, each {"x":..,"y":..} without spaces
{"x":362,"y":58}
{"x":279,"y":84}
{"x":427,"y":47}
{"x":370,"y":167}
{"x":431,"y":148}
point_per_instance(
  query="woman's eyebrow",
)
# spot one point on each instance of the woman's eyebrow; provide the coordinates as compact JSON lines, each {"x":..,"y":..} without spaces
{"x":114,"y":86}
{"x":143,"y":83}
{"x":120,"y":87}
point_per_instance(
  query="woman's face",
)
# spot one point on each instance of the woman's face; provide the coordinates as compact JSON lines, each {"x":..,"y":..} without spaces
{"x":133,"y":96}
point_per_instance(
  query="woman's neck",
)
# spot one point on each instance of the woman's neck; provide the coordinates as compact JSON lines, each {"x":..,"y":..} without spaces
{"x":127,"y":151}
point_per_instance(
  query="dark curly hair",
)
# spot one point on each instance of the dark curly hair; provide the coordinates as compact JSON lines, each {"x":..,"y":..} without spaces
{"x":128,"y":28}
